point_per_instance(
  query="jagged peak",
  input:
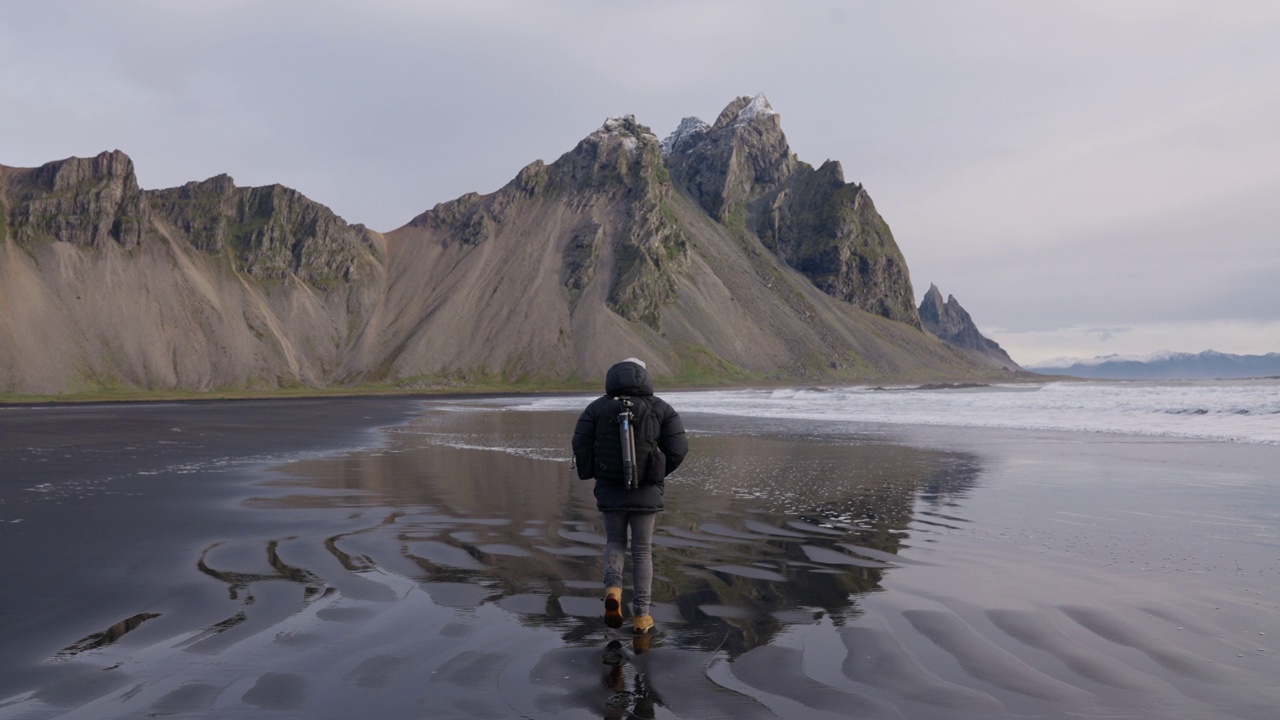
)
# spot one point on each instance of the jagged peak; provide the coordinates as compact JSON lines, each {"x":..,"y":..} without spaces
{"x":758,"y":107}
{"x":221,"y":183}
{"x":688,"y":134}
{"x":628,"y":131}
{"x":744,"y":110}
{"x":833,"y":171}
{"x":730,"y":112}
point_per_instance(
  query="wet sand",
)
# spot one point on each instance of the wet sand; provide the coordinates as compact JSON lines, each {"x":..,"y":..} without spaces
{"x":202,"y":560}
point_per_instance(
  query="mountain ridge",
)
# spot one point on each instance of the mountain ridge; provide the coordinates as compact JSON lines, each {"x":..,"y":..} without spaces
{"x":609,"y":251}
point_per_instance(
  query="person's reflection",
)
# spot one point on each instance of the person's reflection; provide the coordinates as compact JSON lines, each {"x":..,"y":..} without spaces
{"x":640,"y":643}
{"x":623,"y":703}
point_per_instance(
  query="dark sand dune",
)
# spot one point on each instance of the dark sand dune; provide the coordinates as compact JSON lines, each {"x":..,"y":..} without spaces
{"x":450,"y":569}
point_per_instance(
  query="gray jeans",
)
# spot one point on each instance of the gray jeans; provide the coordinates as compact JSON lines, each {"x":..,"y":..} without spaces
{"x":616,"y":525}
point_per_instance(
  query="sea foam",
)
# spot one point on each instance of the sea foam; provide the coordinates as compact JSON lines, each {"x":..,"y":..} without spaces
{"x":1229,"y":411}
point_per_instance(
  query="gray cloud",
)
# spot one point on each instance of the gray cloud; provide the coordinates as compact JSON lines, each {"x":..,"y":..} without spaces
{"x":1054,"y":165}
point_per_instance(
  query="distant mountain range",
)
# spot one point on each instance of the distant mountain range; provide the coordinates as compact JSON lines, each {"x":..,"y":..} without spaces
{"x":715,"y":255}
{"x":1165,"y":365}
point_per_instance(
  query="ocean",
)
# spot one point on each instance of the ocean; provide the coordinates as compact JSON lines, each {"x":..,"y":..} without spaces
{"x":1242,"y":411}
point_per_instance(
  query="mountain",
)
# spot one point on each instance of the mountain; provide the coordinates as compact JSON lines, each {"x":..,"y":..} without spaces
{"x":742,"y":172}
{"x":1165,"y":365}
{"x":104,"y":285}
{"x":725,"y":258}
{"x":949,"y":322}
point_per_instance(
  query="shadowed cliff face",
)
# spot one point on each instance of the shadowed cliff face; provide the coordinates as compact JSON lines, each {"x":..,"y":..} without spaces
{"x":742,"y":172}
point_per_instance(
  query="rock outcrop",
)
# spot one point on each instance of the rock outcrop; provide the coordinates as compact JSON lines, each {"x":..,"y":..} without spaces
{"x":742,"y":172}
{"x":615,"y":175}
{"x":87,"y":202}
{"x":949,"y":322}
{"x":271,"y":232}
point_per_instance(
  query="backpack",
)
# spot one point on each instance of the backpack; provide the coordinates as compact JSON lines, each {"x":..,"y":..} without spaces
{"x":651,"y":462}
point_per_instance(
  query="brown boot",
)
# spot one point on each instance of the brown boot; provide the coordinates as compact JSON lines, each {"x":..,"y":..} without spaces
{"x":613,"y":607}
{"x":641,"y":624}
{"x":641,"y":633}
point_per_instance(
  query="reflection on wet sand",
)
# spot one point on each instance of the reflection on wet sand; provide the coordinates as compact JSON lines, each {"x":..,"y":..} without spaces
{"x":758,"y":528}
{"x":468,"y":511}
{"x":106,"y":637}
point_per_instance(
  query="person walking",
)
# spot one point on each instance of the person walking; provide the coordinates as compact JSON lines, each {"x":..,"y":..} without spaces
{"x":629,"y":490}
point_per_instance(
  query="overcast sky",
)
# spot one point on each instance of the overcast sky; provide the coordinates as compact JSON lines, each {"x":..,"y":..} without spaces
{"x":1085,"y":177}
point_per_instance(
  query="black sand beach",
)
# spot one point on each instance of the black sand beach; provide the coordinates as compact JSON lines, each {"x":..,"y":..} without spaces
{"x":205,"y":560}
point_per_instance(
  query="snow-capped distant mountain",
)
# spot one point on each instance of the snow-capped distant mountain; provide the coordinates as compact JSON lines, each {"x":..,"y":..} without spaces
{"x":1164,"y":365}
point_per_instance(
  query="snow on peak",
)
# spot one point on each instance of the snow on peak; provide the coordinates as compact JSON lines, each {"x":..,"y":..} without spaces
{"x":619,"y":123}
{"x":690,"y":131}
{"x":758,"y":107}
{"x":1159,"y":355}
{"x":630,"y":131}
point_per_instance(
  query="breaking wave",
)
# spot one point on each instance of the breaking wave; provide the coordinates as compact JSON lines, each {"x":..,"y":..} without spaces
{"x":1224,"y":411}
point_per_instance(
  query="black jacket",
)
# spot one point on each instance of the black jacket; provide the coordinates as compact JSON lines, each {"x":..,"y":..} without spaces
{"x":598,"y":444}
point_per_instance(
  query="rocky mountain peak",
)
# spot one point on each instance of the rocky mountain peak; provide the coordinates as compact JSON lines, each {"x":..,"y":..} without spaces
{"x":626,"y":130}
{"x":951,"y":323}
{"x":84,"y":201}
{"x":619,"y":141}
{"x":758,"y":108}
{"x":689,"y":133}
{"x":62,"y":175}
{"x":933,"y":305}
{"x":744,"y":110}
{"x":742,"y":157}
{"x":742,"y":172}
{"x":948,"y":320}
{"x":621,"y":153}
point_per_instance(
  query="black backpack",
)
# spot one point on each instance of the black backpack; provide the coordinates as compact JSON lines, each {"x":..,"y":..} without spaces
{"x":651,"y":462}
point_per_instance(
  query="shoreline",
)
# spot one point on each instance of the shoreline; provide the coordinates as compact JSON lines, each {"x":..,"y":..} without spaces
{"x":484,"y":390}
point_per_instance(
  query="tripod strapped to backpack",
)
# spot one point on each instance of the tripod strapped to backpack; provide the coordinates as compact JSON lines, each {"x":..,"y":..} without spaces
{"x":628,"y":437}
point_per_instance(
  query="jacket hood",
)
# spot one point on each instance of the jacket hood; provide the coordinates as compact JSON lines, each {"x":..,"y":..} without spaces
{"x":627,"y":378}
